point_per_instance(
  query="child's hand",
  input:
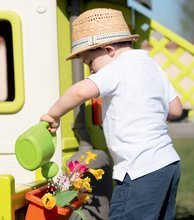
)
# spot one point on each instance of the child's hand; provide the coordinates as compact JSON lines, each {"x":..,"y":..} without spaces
{"x":54,"y":123}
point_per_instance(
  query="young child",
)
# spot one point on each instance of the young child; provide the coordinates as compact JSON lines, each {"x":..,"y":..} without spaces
{"x":138,"y":99}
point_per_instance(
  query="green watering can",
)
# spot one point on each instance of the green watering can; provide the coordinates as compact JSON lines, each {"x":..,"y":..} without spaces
{"x":34,"y":149}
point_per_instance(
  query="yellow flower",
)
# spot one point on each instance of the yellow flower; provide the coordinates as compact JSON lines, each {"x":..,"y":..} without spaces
{"x":78,"y":184}
{"x":83,"y":198}
{"x":82,"y":184}
{"x":86,"y":184}
{"x":81,"y":158}
{"x":48,"y":201}
{"x":97,"y":173}
{"x":90,"y":156}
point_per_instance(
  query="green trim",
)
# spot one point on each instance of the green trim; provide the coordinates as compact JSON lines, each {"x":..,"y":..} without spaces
{"x":17,"y":104}
{"x":69,"y":141}
{"x":7,"y":189}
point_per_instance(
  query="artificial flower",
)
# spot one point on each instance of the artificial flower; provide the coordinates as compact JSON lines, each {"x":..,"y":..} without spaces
{"x":63,"y":182}
{"x":86,"y":184}
{"x":97,"y":173}
{"x":72,"y":186}
{"x":48,"y":201}
{"x":77,"y":166}
{"x":81,"y":158}
{"x":83,"y":198}
{"x":78,"y":184}
{"x":75,"y":175}
{"x":90,"y":156}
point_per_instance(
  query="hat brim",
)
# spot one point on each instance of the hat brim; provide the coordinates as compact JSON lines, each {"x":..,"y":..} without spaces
{"x":76,"y":54}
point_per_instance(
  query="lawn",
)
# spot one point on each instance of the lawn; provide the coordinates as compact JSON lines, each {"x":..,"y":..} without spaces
{"x":185,"y":196}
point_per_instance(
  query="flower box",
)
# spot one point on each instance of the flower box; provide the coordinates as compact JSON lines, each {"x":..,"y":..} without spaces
{"x":37,"y":211}
{"x":64,"y":195}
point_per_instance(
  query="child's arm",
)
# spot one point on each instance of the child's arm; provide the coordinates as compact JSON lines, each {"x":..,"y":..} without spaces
{"x":74,"y":96}
{"x":175,"y":109}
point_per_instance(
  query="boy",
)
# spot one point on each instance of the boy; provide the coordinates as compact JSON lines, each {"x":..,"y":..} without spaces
{"x":137,"y":101}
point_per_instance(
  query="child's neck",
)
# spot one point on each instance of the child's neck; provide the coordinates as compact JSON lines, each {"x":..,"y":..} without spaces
{"x":120,"y":50}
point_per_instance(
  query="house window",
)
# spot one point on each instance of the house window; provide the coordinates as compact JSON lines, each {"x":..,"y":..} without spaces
{"x":11,"y":63}
{"x":7,"y":87}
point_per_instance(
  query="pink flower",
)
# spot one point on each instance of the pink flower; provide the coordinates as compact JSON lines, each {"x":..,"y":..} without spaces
{"x":77,"y":166}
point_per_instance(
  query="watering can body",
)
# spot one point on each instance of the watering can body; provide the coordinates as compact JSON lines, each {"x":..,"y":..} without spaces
{"x":35,"y":147}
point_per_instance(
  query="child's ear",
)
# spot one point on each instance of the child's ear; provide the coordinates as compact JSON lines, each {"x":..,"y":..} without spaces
{"x":110,"y":50}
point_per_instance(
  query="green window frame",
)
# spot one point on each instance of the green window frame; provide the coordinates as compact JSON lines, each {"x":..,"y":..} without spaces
{"x":15,"y":100}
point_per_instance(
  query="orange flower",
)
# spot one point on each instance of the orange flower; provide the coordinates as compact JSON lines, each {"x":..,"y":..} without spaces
{"x":48,"y":201}
{"x":83,"y":198}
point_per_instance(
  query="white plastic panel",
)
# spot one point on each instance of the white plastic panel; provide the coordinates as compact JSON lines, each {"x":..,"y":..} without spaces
{"x":40,"y":55}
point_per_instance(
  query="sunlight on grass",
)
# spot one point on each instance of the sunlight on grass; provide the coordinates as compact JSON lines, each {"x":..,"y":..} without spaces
{"x":185,"y":196}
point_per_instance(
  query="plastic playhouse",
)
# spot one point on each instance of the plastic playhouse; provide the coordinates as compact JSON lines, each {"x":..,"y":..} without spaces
{"x":35,"y":38}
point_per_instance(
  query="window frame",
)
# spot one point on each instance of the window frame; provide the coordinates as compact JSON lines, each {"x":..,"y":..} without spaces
{"x":7,"y":107}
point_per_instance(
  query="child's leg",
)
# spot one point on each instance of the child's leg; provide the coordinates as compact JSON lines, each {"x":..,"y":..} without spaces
{"x":146,"y":198}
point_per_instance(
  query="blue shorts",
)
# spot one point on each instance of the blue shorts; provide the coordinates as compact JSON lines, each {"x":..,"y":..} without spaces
{"x":150,"y":197}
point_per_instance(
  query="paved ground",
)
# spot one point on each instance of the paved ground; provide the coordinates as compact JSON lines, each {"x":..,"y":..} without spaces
{"x":181,"y":130}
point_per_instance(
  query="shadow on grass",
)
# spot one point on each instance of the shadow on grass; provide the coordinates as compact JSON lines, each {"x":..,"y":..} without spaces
{"x":191,"y":217}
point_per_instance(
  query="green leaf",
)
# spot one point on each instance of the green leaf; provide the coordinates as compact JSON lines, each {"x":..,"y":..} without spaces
{"x":64,"y":197}
{"x":81,"y":214}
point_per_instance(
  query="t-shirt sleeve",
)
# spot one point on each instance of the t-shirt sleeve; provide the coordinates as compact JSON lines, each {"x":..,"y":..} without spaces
{"x":106,"y":81}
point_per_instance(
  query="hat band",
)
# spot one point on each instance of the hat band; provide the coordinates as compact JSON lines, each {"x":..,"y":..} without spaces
{"x":96,"y":39}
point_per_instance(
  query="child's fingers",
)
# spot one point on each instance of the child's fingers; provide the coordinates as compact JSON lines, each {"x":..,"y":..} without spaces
{"x":47,"y":118}
{"x":52,"y":122}
{"x":53,"y":126}
{"x":52,"y":130}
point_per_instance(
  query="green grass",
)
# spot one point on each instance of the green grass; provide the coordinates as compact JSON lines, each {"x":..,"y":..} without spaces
{"x":185,"y":195}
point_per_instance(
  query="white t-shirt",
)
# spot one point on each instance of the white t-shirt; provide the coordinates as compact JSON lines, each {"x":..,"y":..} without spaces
{"x":136,"y":95}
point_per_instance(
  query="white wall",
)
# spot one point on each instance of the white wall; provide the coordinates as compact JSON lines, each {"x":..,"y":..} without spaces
{"x":40,"y":56}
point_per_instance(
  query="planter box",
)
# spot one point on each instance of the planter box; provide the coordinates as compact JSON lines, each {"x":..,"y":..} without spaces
{"x":36,"y":210}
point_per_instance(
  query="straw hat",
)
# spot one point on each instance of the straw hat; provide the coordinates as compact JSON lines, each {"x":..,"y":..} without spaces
{"x":98,"y":27}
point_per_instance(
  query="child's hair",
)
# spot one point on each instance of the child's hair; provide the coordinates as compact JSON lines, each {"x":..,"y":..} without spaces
{"x":123,"y":44}
{"x":115,"y":45}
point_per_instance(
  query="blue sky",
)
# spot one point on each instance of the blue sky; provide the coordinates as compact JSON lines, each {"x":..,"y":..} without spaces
{"x":169,"y":13}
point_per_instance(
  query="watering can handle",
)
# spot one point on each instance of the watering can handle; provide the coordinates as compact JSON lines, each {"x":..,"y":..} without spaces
{"x":54,"y":136}
{"x":45,"y":124}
